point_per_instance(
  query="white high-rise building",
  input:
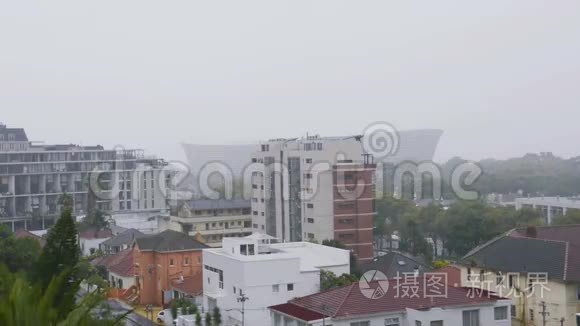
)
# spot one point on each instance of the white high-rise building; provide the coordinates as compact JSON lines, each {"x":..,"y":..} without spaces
{"x":262,"y":274}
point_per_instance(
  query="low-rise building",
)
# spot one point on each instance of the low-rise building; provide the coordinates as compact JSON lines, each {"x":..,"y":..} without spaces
{"x":213,"y":220}
{"x":539,"y":268}
{"x":90,"y":240}
{"x":349,"y":306}
{"x":120,"y":268}
{"x":160,"y":260}
{"x":120,"y":242}
{"x":394,"y":264}
{"x":265,"y":272}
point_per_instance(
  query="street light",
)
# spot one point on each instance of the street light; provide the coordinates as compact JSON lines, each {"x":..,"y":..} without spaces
{"x":242,"y":298}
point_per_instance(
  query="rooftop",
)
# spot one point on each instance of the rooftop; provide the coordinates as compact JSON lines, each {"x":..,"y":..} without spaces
{"x":394,"y":263}
{"x":312,"y":256}
{"x":208,"y":204}
{"x":94,"y":234}
{"x":167,"y":241}
{"x":12,"y":134}
{"x":549,"y":249}
{"x":120,"y":263}
{"x":127,"y":237}
{"x":349,"y":301}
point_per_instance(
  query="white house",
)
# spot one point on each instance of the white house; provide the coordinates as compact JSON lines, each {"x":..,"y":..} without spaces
{"x":397,"y":305}
{"x":89,"y":241}
{"x":261,"y":273}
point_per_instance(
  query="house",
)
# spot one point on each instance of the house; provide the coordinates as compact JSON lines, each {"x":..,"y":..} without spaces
{"x":393,"y":264}
{"x":161,"y":259}
{"x":27,"y":234}
{"x":120,"y":268}
{"x":120,"y":241}
{"x":212,"y":219}
{"x":260,"y":272}
{"x":90,"y":240}
{"x":539,"y":267}
{"x":190,"y":287}
{"x":351,"y":306}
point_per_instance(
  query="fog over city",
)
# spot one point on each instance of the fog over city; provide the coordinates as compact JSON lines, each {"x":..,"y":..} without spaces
{"x":499,"y":77}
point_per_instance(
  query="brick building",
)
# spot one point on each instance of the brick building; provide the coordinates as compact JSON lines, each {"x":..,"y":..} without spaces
{"x":163,"y":259}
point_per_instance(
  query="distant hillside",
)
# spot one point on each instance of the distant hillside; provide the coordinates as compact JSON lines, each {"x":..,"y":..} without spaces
{"x":533,"y":174}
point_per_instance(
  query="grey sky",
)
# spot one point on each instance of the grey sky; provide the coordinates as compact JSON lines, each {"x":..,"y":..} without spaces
{"x":500,"y":77}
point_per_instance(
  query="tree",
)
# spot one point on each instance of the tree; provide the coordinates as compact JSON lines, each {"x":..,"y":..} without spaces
{"x":217,"y":316}
{"x":197,"y":319}
{"x":571,"y":217}
{"x":207,"y":319}
{"x":60,"y":256}
{"x":18,"y":254}
{"x":24,"y":304}
{"x":96,"y":220}
{"x":329,"y":280}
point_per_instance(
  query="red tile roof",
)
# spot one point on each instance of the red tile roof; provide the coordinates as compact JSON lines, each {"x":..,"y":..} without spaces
{"x":349,"y":301}
{"x":121,"y":263}
{"x":192,"y":285}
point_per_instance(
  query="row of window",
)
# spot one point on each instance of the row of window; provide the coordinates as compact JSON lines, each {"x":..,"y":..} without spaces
{"x":186,"y":261}
{"x":470,"y":318}
{"x":227,"y":225}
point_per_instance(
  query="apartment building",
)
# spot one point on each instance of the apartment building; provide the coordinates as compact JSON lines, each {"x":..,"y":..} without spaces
{"x":315,"y":189}
{"x":348,"y":306}
{"x":539,"y":268}
{"x":262,"y":273}
{"x":34,"y":176}
{"x":211,"y":220}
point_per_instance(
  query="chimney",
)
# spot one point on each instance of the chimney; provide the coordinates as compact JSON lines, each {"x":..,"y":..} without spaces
{"x":531,"y":232}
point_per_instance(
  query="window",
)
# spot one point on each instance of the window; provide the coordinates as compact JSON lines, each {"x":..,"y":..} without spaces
{"x":471,"y":318}
{"x":482,"y":275}
{"x":532,"y":314}
{"x":500,"y":313}
{"x":290,"y":287}
{"x":418,"y":323}
{"x":275,"y":288}
{"x":234,"y":290}
{"x":244,"y":250}
{"x":436,"y":323}
{"x":469,"y":274}
{"x":186,"y":261}
{"x":308,"y":175}
{"x":361,"y":323}
{"x":310,"y":220}
{"x":392,"y":322}
{"x":309,"y":205}
{"x":171,"y":262}
{"x":308,"y":160}
{"x":513,"y":311}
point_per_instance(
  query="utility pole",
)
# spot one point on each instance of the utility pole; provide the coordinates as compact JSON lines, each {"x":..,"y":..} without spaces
{"x":544,"y":313}
{"x":243,"y":298}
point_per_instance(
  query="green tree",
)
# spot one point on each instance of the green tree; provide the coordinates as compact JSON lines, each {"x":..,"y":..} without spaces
{"x":97,"y":221}
{"x":217,"y":316}
{"x":60,"y":256}
{"x":329,"y":280}
{"x":197,"y":319}
{"x":207,"y":319}
{"x":18,"y":254}
{"x":571,"y":217}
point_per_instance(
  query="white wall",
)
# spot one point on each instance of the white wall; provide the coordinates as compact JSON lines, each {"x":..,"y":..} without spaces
{"x":87,"y":244}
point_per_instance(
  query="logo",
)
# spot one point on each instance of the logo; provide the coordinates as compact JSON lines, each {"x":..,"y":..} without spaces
{"x":374,"y":285}
{"x":380,"y":139}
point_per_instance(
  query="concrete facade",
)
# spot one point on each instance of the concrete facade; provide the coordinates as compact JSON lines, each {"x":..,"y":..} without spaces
{"x":265,"y":273}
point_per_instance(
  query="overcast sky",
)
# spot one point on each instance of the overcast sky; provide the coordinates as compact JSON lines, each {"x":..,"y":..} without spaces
{"x":501,"y":78}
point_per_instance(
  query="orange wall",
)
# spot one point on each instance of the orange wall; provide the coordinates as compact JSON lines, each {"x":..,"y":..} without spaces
{"x":162,"y":274}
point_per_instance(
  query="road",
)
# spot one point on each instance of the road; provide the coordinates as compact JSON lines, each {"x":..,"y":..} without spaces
{"x":132,"y":319}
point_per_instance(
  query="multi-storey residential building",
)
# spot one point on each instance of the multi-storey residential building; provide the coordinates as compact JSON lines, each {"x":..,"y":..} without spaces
{"x":162,"y":261}
{"x":398,"y":306}
{"x":264,"y":273}
{"x":539,"y":268}
{"x":550,"y":207}
{"x":315,"y":189}
{"x":33,"y":178}
{"x":213,"y":220}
